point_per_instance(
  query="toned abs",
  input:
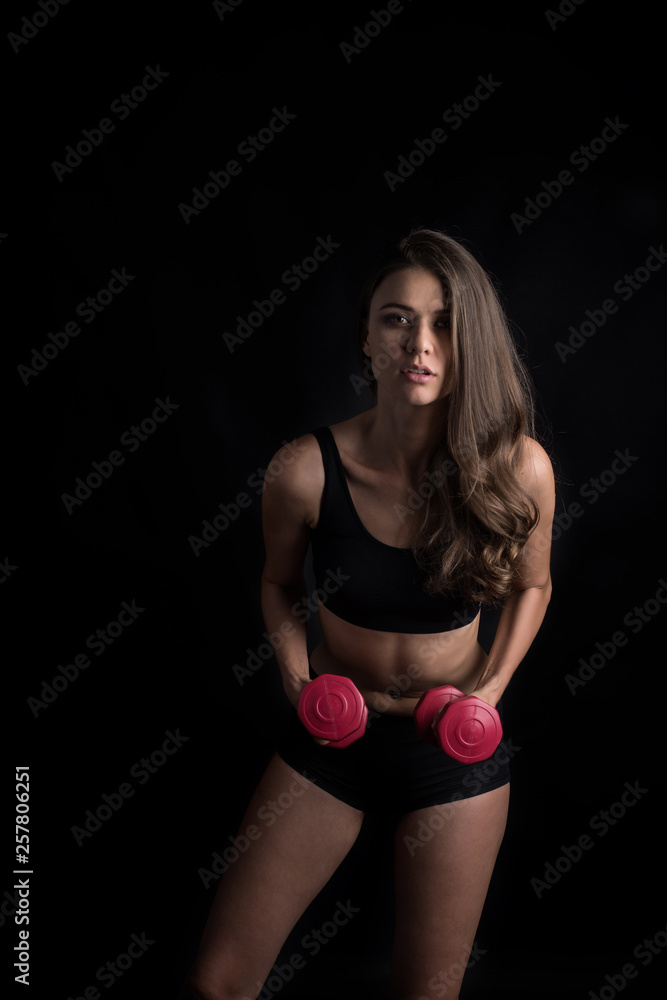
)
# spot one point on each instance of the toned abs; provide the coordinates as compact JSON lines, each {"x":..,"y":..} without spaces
{"x":386,"y":663}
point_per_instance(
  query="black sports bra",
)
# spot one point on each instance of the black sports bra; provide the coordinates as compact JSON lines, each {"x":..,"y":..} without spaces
{"x":365,"y":581}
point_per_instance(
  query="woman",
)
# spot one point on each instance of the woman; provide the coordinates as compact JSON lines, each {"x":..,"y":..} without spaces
{"x":434,"y":501}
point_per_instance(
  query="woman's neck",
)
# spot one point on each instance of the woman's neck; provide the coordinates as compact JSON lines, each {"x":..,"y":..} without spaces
{"x":404,"y":438}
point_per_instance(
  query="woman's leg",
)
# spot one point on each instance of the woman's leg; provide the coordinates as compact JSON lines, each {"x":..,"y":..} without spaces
{"x":262,"y":895}
{"x":441,"y":885}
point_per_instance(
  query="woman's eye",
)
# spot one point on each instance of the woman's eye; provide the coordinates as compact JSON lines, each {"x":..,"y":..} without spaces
{"x":395,"y":319}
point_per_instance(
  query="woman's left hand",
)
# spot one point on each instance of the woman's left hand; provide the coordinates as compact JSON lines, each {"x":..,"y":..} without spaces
{"x":489,"y":692}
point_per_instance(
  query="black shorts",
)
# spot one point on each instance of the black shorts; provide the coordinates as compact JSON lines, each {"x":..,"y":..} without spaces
{"x":391,"y":767}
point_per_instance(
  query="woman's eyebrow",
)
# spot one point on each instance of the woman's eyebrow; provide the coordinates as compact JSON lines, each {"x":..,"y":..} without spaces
{"x":399,"y":305}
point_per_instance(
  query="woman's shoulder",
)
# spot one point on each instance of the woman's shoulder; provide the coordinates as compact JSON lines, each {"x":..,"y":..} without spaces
{"x":296,"y":463}
{"x":533,"y":453}
{"x":295,"y":473}
{"x":535,"y":470}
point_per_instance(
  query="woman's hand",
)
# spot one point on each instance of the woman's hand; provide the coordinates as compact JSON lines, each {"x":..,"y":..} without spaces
{"x":293,"y":688}
{"x":489,"y":692}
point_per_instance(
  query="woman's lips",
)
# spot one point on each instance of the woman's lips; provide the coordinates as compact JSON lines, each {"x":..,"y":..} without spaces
{"x":418,"y":377}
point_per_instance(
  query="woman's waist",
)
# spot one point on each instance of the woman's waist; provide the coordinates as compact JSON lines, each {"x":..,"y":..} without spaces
{"x":391,"y":682}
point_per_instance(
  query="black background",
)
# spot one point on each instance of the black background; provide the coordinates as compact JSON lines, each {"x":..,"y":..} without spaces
{"x":172,"y":668}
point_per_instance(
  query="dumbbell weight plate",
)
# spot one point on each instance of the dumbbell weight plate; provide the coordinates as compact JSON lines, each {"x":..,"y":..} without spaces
{"x":469,"y":730}
{"x":332,"y":708}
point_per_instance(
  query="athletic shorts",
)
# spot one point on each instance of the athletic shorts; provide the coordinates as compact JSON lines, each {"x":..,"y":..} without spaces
{"x":391,"y":767}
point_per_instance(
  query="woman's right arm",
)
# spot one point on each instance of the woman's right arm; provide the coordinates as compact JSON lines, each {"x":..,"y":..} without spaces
{"x":290,"y":504}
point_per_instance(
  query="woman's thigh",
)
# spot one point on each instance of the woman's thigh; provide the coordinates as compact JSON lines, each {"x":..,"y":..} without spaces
{"x":304,"y":837}
{"x":444,"y":861}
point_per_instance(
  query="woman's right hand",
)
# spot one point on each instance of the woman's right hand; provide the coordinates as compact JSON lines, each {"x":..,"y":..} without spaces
{"x":293,"y":688}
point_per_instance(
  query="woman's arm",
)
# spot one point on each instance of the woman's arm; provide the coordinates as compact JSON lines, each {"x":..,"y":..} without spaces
{"x":524,"y":609}
{"x":290,"y":503}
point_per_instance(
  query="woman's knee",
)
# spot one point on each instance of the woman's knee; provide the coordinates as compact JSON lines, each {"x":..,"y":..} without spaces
{"x":198,"y":987}
{"x":189,"y":991}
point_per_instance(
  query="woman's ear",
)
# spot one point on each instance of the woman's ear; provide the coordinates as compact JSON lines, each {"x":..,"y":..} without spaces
{"x":364,"y":344}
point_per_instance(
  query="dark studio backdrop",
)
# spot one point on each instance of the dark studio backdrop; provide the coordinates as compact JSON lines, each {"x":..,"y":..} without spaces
{"x":191,"y":199}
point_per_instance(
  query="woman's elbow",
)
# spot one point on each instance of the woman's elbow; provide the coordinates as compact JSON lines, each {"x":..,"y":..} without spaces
{"x":546,"y":591}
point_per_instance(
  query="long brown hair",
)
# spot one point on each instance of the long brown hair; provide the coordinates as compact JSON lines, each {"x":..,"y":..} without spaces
{"x":475,"y":515}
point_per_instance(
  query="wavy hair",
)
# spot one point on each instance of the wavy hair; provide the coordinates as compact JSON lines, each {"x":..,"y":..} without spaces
{"x":477,"y":518}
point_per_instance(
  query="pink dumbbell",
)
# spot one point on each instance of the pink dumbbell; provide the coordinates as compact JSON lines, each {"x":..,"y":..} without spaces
{"x":466,"y":728}
{"x":428,"y":706}
{"x":332,"y":708}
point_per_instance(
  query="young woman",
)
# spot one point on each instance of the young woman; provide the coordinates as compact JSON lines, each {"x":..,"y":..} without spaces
{"x":434,"y":501}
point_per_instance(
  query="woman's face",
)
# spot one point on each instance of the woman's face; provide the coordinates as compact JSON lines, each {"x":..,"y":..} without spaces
{"x":408,"y":337}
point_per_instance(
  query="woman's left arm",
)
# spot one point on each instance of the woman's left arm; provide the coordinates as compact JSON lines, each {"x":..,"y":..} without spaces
{"x":524,"y":608}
